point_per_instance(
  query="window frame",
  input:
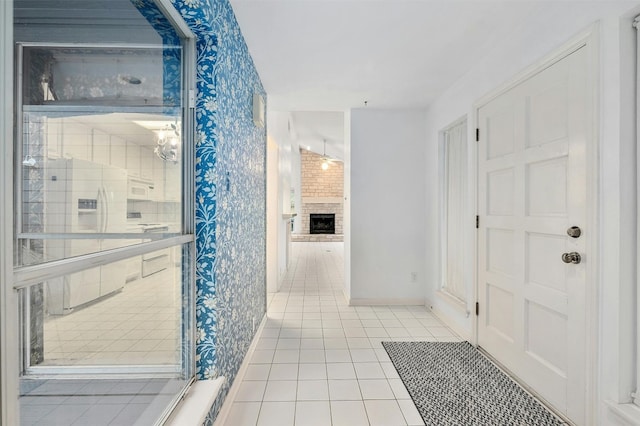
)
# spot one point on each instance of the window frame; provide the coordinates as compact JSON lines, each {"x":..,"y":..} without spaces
{"x":635,"y":395}
{"x":444,"y":290}
{"x":9,"y":352}
{"x":16,"y":278}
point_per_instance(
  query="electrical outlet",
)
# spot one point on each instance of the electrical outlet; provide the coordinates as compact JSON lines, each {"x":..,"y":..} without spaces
{"x":414,"y":277}
{"x":253,"y":325}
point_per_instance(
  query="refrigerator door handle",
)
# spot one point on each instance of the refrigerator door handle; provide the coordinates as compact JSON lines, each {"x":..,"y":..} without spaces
{"x":103,"y":210}
{"x":106,"y":205}
{"x":99,"y":210}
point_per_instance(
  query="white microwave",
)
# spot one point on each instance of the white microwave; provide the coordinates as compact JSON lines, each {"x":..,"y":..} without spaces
{"x":139,"y":190}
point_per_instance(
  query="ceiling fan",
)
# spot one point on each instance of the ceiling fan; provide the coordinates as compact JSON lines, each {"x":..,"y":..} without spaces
{"x":325,"y":159}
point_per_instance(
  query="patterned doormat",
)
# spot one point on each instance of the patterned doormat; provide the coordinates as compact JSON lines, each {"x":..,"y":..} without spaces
{"x":452,"y":383}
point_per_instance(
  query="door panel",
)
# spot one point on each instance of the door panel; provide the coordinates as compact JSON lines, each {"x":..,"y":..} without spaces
{"x":543,"y":268}
{"x":500,"y":311}
{"x":531,"y":189}
{"x":500,"y":192}
{"x":546,"y":187}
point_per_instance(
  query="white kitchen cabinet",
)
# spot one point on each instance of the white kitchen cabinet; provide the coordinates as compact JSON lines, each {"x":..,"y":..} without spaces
{"x":100,"y":147}
{"x":172,"y":182}
{"x":157,"y":194}
{"x":133,"y":160}
{"x":133,"y":268}
{"x":146,"y":163}
{"x":118,"y":150}
{"x":54,"y":138}
{"x":76,"y":140}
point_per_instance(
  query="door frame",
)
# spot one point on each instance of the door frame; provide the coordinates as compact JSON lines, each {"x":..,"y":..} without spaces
{"x":588,"y":39}
{"x":9,"y":352}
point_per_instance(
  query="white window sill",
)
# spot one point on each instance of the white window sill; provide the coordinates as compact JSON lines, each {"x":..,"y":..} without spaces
{"x":195,"y":405}
{"x":453,"y":301}
{"x":629,"y":413}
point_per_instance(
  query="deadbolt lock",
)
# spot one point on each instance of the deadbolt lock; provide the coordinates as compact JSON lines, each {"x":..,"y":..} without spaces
{"x":573,"y":257}
{"x":574,"y":232}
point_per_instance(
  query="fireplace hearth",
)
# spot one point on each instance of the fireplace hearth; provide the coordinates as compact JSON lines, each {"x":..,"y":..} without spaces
{"x":322,"y":223}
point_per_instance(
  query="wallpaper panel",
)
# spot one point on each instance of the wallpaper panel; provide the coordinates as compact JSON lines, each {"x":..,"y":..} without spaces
{"x":230,"y":194}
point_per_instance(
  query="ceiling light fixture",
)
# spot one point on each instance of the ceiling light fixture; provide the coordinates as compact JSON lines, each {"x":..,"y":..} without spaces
{"x":168,"y":143}
{"x":325,"y":160}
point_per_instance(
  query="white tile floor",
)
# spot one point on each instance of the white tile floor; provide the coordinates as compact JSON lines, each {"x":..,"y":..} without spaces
{"x":321,"y":362}
{"x":139,"y":325}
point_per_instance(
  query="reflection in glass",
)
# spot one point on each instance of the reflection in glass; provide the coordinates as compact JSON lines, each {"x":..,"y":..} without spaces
{"x":101,"y":76}
{"x":121,"y":355}
{"x":110,"y":344}
{"x":96,"y":174}
{"x":134,"y":324}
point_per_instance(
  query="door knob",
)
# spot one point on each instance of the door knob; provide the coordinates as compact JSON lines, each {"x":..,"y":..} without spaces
{"x":574,"y":232}
{"x":573,"y":257}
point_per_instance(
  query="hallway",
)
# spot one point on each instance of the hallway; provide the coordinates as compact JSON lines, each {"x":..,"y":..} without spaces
{"x":319,"y":361}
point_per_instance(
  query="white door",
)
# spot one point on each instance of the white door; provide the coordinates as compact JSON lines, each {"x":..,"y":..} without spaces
{"x":532,"y":187}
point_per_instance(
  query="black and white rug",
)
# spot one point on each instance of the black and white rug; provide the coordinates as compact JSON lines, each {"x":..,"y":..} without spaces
{"x":452,"y":383}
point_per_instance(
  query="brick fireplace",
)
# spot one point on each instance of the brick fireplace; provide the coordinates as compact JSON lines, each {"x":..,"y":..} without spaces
{"x":322,"y":223}
{"x":322,"y":194}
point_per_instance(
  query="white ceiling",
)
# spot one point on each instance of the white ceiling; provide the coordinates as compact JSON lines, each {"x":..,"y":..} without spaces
{"x":333,"y":55}
{"x":319,"y":131}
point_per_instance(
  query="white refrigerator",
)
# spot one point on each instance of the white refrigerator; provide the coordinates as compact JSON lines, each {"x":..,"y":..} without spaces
{"x":88,"y":198}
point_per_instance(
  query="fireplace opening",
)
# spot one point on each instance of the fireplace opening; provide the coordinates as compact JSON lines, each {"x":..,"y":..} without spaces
{"x":322,"y":223}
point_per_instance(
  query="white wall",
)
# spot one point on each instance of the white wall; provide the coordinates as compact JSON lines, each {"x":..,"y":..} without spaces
{"x":618,"y":279}
{"x":273,"y":282}
{"x":613,"y":348}
{"x":283,"y":173}
{"x":295,"y":183}
{"x":346,"y":227}
{"x":388,"y":206}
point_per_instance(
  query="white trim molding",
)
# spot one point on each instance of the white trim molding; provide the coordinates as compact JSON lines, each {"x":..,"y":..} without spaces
{"x":386,"y":302}
{"x":453,"y":325}
{"x":636,"y":394}
{"x":453,"y":301}
{"x":9,"y":352}
{"x":629,"y":414}
{"x":196,"y":404}
{"x":588,"y":39}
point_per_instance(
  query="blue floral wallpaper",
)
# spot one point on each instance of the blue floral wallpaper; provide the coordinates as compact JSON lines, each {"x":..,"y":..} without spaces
{"x":171,"y":56}
{"x":230,"y":193}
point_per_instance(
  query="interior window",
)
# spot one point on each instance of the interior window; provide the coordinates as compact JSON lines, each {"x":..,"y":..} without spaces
{"x":102,"y":255}
{"x":454,"y":193}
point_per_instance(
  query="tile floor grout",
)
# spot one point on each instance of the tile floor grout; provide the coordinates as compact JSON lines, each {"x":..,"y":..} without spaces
{"x":319,"y":361}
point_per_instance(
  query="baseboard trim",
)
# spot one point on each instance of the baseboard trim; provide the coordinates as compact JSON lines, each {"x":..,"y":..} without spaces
{"x":449,"y":322}
{"x":233,"y":391}
{"x":384,"y":302}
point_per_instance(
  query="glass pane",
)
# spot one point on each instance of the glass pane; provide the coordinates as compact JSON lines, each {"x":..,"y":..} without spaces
{"x":101,"y":76}
{"x":107,"y":174}
{"x":455,"y":181}
{"x":99,"y":136}
{"x":87,"y":318}
{"x":136,"y":329}
{"x":133,"y":401}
